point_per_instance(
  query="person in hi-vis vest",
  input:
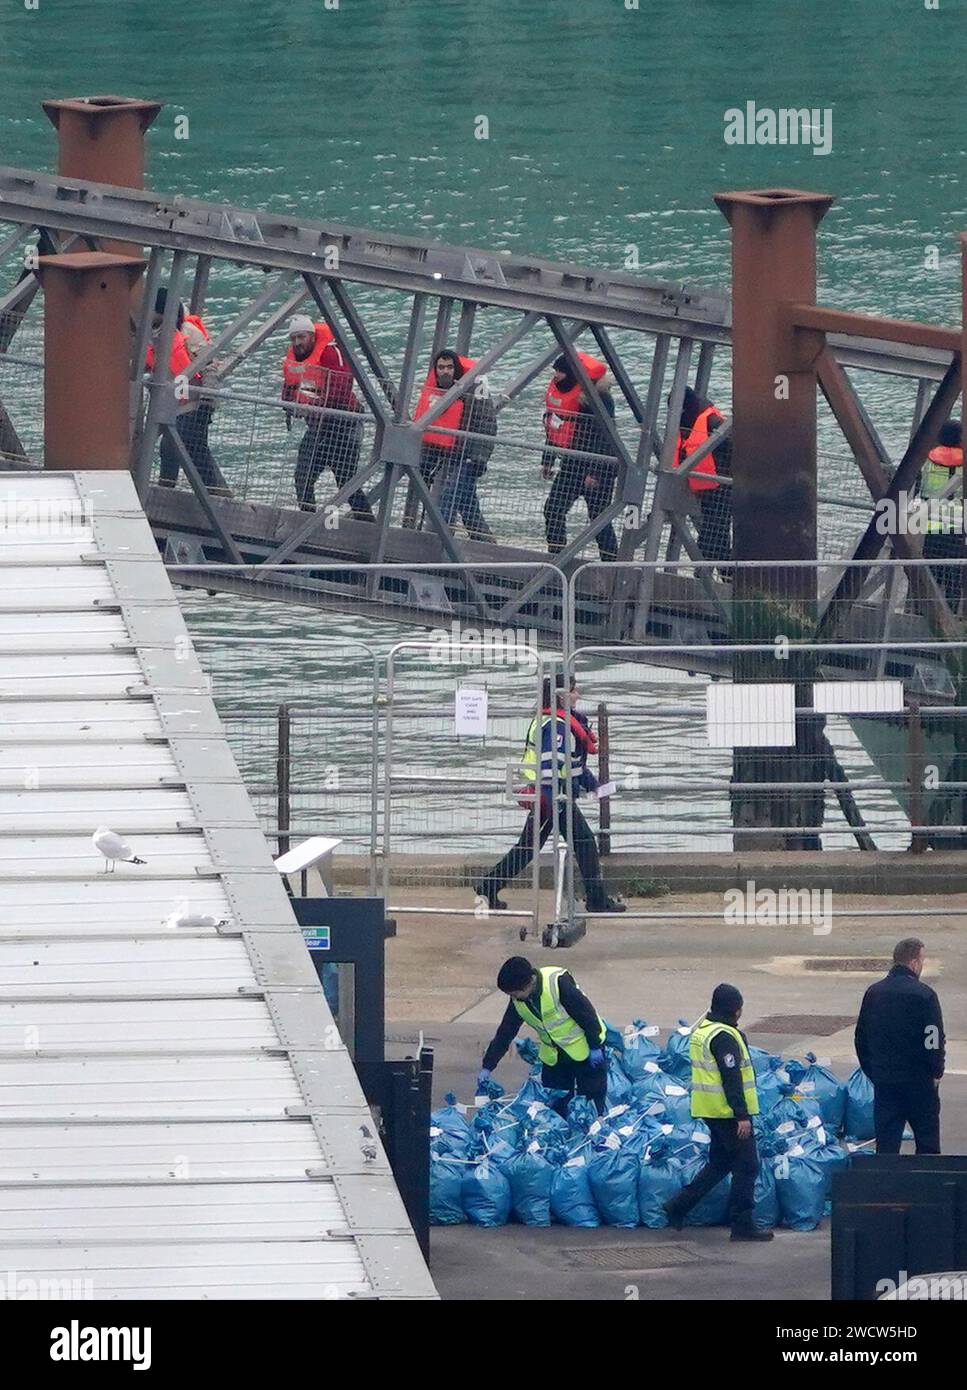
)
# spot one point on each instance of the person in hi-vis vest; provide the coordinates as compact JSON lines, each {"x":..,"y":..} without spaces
{"x":724,"y":1095}
{"x":570,"y":1032}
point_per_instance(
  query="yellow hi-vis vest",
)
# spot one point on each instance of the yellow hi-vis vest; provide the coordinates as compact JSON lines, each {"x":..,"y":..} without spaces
{"x":943,"y":465}
{"x":555,"y":1028}
{"x":548,"y":757}
{"x":708,"y":1093}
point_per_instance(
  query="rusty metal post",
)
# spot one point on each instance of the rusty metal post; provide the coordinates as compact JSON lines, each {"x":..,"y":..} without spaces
{"x":87,"y":299}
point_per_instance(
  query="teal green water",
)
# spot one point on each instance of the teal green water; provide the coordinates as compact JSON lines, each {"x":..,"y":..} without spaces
{"x":605,"y":130}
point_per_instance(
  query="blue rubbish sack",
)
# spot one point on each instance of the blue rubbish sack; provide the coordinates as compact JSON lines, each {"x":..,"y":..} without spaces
{"x":765,"y":1210}
{"x":859,"y":1106}
{"x":690,"y":1140}
{"x":496,"y":1121}
{"x":497,"y":1150}
{"x":613,"y":1037}
{"x":572,"y":1201}
{"x":485,"y":1193}
{"x":491,"y":1089}
{"x":818,"y":1083}
{"x":801,"y":1188}
{"x":833,"y":1157}
{"x":581,"y":1115}
{"x":666,"y":1097}
{"x":530,"y":1174}
{"x":675,"y":1059}
{"x":527,"y":1051}
{"x":541,"y":1122}
{"x":619,"y":1087}
{"x":531,"y":1091}
{"x":769,"y":1083}
{"x":763,"y":1061}
{"x":659,"y":1180}
{"x":613,"y":1175}
{"x":451,"y":1120}
{"x":446,"y":1185}
{"x":713,"y":1209}
{"x":793,"y":1109}
{"x":639,"y":1049}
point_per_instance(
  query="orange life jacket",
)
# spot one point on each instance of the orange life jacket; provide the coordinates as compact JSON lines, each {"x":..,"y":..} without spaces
{"x":561,"y":407}
{"x":180,"y":356}
{"x":308,"y":376}
{"x":702,"y":476}
{"x":451,"y":417}
{"x":947,"y":456}
{"x":193,"y":318}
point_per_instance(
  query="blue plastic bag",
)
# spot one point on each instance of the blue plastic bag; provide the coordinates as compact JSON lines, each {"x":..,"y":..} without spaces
{"x":659,"y":1180}
{"x":527,"y":1052}
{"x":675,"y":1059}
{"x":713,"y":1209}
{"x":531,"y":1091}
{"x":670,"y":1092}
{"x":762,"y":1061}
{"x":581,"y":1115}
{"x":451,"y":1121}
{"x":485,"y":1193}
{"x":794,"y":1109}
{"x":572,"y":1201}
{"x":769,"y":1085}
{"x":859,"y":1106}
{"x":446,"y":1183}
{"x":801,"y":1189}
{"x":689,"y":1141}
{"x":530,"y":1174}
{"x":818,"y":1083}
{"x":619,"y":1087}
{"x":496,"y":1122}
{"x":639,"y":1049}
{"x":765,"y":1210}
{"x":613,"y":1175}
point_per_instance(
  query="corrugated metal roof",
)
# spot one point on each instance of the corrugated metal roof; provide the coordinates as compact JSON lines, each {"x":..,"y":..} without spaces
{"x":173,"y":1123}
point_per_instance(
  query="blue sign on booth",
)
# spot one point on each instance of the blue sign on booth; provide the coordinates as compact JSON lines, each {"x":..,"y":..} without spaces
{"x":316,"y":938}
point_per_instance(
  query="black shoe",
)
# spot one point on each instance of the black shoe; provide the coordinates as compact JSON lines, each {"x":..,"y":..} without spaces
{"x":751,"y":1233}
{"x":676,"y":1219}
{"x":606,"y":904}
{"x":488,"y":891}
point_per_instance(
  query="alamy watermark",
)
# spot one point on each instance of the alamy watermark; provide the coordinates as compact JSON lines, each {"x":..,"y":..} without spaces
{"x":780,"y":907}
{"x":784,"y":125}
{"x":488,"y":646}
{"x":25,"y":1288}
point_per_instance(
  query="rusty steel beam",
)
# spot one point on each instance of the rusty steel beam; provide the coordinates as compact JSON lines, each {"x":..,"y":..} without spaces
{"x":773,"y":390}
{"x":910,"y":333}
{"x":86,"y":371}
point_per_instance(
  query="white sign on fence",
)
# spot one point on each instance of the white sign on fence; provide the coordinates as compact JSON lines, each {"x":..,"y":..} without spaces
{"x":470,"y":712}
{"x":858,"y":697}
{"x":751,"y":716}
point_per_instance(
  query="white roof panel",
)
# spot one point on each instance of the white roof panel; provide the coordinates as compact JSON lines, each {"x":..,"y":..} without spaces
{"x":157,"y":809}
{"x":183,"y":966}
{"x":137,"y":1025}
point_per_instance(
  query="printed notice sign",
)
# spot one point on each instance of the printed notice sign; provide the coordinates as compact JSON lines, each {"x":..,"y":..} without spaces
{"x":470,"y":712}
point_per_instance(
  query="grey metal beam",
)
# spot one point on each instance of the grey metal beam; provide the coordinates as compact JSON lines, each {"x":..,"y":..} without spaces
{"x":159,"y":400}
{"x":224,"y":536}
{"x":242,"y":320}
{"x":441,"y":329}
{"x":618,"y":371}
{"x":468,"y":314}
{"x":199,"y":285}
{"x":369,"y":349}
{"x":591,"y":394}
{"x":373,"y":399}
{"x":414,"y":335}
{"x":227,"y":365}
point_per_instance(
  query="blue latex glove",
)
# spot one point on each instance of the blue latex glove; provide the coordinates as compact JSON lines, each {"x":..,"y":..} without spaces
{"x":596,"y":1057}
{"x":483,"y":1076}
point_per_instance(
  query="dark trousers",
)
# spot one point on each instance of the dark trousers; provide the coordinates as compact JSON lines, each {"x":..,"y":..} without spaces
{"x":727,"y":1154}
{"x":942,"y":545}
{"x":334,"y":444}
{"x":459,"y":498}
{"x":715,"y":527}
{"x":576,"y":1078}
{"x":916,"y":1102}
{"x":585,"y":851}
{"x":566,"y":488}
{"x":192,"y":429}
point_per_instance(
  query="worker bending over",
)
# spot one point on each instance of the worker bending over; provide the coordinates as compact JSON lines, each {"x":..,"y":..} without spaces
{"x":569,"y":1029}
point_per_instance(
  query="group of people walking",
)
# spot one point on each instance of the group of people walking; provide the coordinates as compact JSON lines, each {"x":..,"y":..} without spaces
{"x":899,"y":1041}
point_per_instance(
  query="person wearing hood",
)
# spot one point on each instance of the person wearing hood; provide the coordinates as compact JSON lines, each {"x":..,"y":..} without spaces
{"x":698,"y":420}
{"x":942,"y":487}
{"x":453,"y":454}
{"x":724,"y":1095}
{"x":572,"y":428}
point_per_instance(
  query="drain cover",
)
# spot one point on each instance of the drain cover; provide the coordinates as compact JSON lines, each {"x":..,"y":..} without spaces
{"x":868,"y":963}
{"x":810,"y":1025}
{"x":630,"y":1257}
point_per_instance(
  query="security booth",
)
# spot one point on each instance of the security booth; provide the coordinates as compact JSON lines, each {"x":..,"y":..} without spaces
{"x":346,"y":939}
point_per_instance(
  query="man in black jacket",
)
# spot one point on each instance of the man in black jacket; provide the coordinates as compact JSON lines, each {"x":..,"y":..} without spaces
{"x":586,"y":1076}
{"x":900,"y":1045}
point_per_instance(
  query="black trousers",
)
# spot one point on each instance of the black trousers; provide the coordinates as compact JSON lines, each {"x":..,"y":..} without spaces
{"x":192,"y":429}
{"x":566,"y":488}
{"x":585,"y":850}
{"x":941,"y":545}
{"x":727,"y":1154}
{"x":334,"y":444}
{"x":715,"y":527}
{"x":914,"y":1102}
{"x":576,"y":1078}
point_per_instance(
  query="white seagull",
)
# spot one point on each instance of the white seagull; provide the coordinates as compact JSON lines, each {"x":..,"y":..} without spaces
{"x":113,"y":847}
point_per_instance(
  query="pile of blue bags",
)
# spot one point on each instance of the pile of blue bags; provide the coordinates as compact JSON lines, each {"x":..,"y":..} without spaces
{"x":514,"y":1158}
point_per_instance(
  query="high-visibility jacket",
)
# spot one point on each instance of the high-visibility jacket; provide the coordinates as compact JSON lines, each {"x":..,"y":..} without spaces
{"x":196,"y":320}
{"x":940,"y":468}
{"x":561,"y":408}
{"x":708,"y":1094}
{"x":702,"y":476}
{"x":180,"y":356}
{"x":451,"y":417}
{"x":313,"y":382}
{"x":555,"y":1028}
{"x":552,"y":735}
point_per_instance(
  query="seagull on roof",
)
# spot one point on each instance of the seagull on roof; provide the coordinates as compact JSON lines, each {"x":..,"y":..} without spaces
{"x":195,"y":919}
{"x":114,"y":847}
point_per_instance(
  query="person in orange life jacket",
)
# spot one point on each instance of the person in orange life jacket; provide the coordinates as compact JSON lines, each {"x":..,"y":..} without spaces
{"x":194,"y":419}
{"x":698,"y":420}
{"x":315,"y":373}
{"x":944,"y":539}
{"x":458,"y":462}
{"x":570,"y":422}
{"x":549,"y":746}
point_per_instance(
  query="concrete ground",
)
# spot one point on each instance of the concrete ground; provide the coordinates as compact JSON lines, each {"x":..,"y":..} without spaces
{"x":440,"y":981}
